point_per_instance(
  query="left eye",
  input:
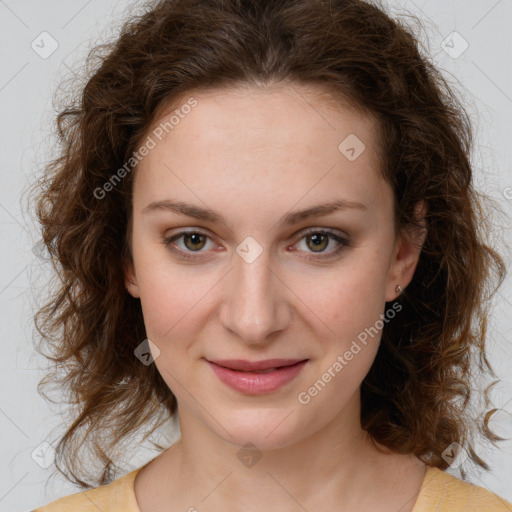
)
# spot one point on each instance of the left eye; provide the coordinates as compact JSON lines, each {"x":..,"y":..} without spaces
{"x":316,"y":240}
{"x":319,"y":240}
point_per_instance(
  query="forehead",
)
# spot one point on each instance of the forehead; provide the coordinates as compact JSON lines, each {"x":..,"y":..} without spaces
{"x":287,"y":141}
{"x":280,"y":111}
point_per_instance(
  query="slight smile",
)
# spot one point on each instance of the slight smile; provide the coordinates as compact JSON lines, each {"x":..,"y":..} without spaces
{"x":256,"y":377}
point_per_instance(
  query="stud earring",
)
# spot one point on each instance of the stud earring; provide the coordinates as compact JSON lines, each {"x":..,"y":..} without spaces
{"x":399,"y":289}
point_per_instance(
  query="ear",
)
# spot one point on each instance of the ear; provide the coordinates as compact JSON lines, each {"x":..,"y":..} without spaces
{"x":130,"y":280}
{"x":406,"y":254}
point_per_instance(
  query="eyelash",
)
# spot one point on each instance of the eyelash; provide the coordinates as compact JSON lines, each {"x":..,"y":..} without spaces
{"x":186,"y":255}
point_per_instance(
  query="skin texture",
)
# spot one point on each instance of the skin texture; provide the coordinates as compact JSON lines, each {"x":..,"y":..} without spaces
{"x":255,"y":155}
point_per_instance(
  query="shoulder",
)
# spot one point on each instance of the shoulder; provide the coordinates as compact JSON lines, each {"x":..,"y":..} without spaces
{"x":442,"y":492}
{"x":118,"y":496}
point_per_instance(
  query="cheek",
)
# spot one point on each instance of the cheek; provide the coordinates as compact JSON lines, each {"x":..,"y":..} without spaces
{"x":170,"y":305}
{"x":167,"y":294}
{"x":347,"y":300}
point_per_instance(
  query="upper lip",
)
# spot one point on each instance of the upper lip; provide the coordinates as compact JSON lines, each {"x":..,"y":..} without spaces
{"x":241,"y":364}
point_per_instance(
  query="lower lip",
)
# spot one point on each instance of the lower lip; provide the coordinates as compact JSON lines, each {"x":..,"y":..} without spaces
{"x":257,"y":383}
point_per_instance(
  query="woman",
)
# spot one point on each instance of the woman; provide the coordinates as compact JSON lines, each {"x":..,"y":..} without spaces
{"x":264,"y":221}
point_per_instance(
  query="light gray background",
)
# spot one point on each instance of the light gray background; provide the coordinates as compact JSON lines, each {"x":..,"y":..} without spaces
{"x":482,"y":73}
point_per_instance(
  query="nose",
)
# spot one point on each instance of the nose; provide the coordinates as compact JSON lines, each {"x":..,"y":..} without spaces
{"x":255,"y":301}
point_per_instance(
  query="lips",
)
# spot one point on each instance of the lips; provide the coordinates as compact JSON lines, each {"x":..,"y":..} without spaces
{"x":255,"y":366}
{"x":257,"y":377}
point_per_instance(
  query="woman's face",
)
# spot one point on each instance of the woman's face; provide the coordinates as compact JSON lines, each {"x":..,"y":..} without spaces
{"x":266,"y":281}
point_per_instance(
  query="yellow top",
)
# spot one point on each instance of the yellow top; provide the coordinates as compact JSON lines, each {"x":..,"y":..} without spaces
{"x":440,"y":492}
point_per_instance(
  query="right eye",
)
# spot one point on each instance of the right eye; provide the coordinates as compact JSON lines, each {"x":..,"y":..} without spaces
{"x":193,"y":241}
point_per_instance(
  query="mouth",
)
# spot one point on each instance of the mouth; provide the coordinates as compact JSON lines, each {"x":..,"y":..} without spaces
{"x":257,"y":377}
{"x":266,"y":365}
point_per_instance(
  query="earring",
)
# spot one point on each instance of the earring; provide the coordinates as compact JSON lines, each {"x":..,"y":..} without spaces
{"x":399,"y":289}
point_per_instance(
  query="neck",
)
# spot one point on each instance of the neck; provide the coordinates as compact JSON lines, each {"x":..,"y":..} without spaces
{"x":337,"y":462}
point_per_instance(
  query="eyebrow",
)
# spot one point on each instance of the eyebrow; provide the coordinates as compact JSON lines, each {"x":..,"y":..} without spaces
{"x":208,"y":215}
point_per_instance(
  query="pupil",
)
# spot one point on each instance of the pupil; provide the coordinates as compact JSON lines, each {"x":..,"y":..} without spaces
{"x":194,"y":238}
{"x":317,"y":239}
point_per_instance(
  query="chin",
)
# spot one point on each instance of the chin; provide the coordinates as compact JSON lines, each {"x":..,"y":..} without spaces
{"x":266,"y":428}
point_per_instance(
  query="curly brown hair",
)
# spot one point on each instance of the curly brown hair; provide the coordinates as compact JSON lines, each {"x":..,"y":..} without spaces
{"x":415,"y":397}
